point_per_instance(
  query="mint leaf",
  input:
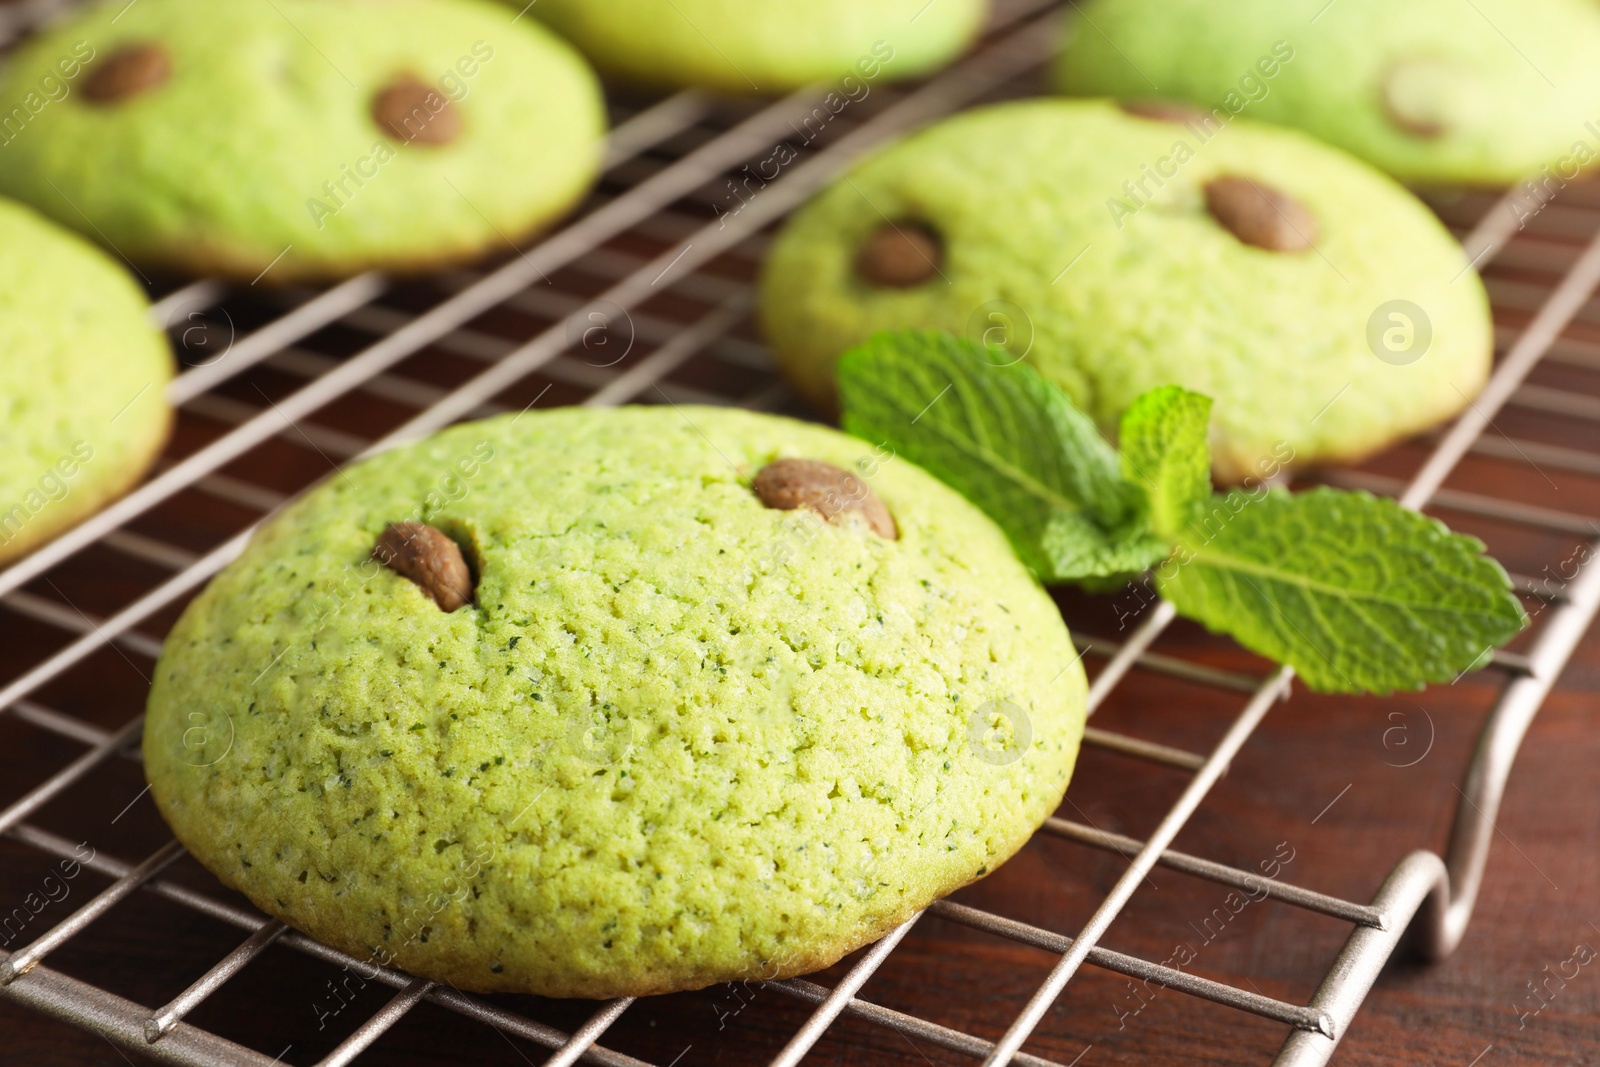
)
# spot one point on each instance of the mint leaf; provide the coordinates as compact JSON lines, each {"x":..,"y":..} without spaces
{"x":1165,"y":450}
{"x":1007,"y":440}
{"x":1353,"y":591}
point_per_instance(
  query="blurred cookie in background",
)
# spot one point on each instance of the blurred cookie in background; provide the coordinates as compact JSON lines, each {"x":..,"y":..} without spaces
{"x":302,"y":139}
{"x":1119,"y":252}
{"x":1434,"y":92}
{"x":82,"y":379}
{"x":769,"y":47}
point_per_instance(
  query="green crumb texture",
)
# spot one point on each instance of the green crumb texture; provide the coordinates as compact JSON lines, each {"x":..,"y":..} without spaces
{"x":679,"y":738}
{"x":261,"y":147}
{"x":1080,"y":236}
{"x":1431,"y":91}
{"x":82,"y":379}
{"x":769,"y":47}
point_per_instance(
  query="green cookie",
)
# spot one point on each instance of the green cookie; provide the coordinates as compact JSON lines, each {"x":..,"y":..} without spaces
{"x":317,"y":138}
{"x":82,"y":380}
{"x":1093,"y":243}
{"x":679,"y":737}
{"x":1432,"y":91}
{"x":773,"y":46}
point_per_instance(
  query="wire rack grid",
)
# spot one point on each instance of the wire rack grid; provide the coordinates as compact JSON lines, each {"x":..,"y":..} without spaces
{"x":665,"y":259}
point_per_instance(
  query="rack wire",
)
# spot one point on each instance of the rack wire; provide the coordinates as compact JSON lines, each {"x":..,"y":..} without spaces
{"x":663,"y":260}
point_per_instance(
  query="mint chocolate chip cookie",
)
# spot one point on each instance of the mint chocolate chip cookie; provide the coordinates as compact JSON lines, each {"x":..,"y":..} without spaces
{"x":300,"y":139}
{"x":1432,"y":91}
{"x":82,"y":377}
{"x":601,"y":703}
{"x":1326,"y":311}
{"x":773,"y":46}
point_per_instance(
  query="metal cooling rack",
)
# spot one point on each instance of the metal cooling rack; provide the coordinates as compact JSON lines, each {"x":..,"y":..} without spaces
{"x":650,"y":236}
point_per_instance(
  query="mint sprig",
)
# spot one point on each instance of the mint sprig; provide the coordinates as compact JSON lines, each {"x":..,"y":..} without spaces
{"x":1007,"y":440}
{"x":1352,"y":590}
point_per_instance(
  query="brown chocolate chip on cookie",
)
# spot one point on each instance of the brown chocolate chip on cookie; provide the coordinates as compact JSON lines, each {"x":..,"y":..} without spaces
{"x":1408,"y":101}
{"x":900,"y":255}
{"x":838,"y":496}
{"x":129,"y":71}
{"x":423,"y":554}
{"x":413,"y":111}
{"x":1164,"y":110}
{"x":1260,"y":215}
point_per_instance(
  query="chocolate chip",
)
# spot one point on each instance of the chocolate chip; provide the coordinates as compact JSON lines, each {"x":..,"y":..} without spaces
{"x":423,"y":554}
{"x":1410,"y":100}
{"x":129,"y":71}
{"x":413,"y":111}
{"x":1260,"y":215}
{"x":838,"y":496}
{"x":899,"y":255}
{"x":1164,"y":110}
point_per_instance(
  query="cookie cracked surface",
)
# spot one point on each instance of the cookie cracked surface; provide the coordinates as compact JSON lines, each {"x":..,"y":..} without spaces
{"x":679,"y":737}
